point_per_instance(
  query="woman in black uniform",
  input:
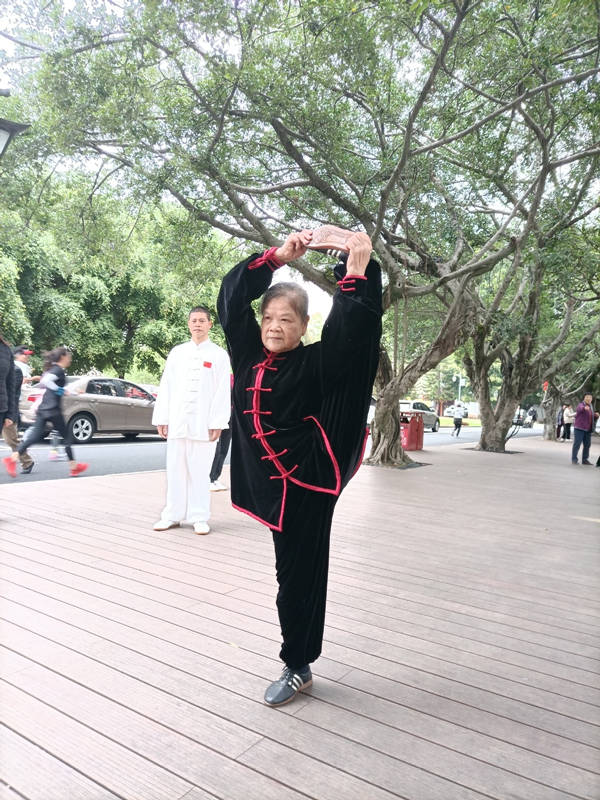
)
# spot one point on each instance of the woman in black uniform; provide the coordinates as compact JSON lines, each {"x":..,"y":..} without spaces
{"x":50,"y":410}
{"x":299,"y":425}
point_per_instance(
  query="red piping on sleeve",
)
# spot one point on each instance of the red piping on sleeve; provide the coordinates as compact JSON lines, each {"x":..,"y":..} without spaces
{"x":268,"y":258}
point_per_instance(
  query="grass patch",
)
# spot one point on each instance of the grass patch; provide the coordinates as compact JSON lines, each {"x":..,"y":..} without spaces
{"x":448,"y":422}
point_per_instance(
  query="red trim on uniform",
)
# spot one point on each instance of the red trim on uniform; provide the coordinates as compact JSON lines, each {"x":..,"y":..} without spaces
{"x":268,"y":258}
{"x":277,"y":528}
{"x":336,"y":468}
{"x":346,"y":284}
{"x":275,"y":455}
{"x":261,"y":435}
{"x":283,"y":475}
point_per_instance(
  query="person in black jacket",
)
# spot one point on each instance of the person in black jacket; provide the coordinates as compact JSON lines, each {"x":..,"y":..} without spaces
{"x":8,"y":410}
{"x":299,"y":425}
{"x":50,"y":411}
{"x":10,"y":433}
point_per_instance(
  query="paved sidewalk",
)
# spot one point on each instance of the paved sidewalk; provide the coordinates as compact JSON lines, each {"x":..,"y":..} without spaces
{"x":460,"y":660}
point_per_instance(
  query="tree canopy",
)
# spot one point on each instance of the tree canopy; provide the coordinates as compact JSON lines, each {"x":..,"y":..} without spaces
{"x":464,"y":137}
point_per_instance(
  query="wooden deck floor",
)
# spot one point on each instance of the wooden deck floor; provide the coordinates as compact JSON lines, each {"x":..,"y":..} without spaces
{"x":461,"y":654}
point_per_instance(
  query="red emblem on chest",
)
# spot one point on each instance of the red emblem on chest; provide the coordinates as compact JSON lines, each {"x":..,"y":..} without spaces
{"x":208,"y":364}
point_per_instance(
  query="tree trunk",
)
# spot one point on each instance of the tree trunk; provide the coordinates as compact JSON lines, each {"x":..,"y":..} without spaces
{"x":495,"y":426}
{"x":551,"y":406}
{"x":386,"y":444}
{"x":495,"y":421}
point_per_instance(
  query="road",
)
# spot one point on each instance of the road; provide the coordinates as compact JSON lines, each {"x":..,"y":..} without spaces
{"x":109,"y":455}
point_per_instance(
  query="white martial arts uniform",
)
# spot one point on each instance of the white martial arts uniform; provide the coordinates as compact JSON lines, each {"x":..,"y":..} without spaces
{"x":194,"y":396}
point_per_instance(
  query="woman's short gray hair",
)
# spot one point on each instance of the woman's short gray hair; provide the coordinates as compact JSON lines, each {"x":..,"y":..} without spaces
{"x":295,"y":294}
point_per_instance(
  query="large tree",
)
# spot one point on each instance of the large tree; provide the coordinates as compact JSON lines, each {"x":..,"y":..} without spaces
{"x":447,"y":130}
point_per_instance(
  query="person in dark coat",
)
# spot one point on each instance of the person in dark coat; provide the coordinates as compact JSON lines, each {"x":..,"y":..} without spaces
{"x":299,"y":425}
{"x":8,"y":407}
{"x":10,"y":433}
{"x":585,"y":422}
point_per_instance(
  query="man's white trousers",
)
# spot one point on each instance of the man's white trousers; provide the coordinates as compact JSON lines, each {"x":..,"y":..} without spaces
{"x":188,"y":468}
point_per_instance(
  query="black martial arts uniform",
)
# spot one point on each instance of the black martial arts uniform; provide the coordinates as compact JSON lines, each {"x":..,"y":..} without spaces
{"x":299,"y":430}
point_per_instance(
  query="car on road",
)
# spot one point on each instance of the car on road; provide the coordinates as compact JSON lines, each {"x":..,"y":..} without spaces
{"x":430,"y":418}
{"x":97,"y":404}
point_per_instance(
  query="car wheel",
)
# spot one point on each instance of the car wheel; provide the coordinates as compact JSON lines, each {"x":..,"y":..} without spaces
{"x":81,"y":428}
{"x":129,"y":437}
{"x":436,"y":426}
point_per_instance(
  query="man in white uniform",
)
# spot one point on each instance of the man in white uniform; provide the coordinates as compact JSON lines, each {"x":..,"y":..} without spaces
{"x":192,"y":408}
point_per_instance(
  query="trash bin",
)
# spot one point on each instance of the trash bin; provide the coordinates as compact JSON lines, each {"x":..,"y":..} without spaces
{"x":411,"y":430}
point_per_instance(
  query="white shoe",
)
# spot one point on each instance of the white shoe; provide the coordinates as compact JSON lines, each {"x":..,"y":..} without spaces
{"x":217,"y":486}
{"x":201,"y":527}
{"x":164,"y":525}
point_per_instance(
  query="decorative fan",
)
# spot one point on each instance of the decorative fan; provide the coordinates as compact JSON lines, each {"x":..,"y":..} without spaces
{"x":330,"y":239}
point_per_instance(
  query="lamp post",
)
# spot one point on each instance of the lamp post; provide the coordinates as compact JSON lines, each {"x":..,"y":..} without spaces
{"x":8,"y":129}
{"x":461,"y":382}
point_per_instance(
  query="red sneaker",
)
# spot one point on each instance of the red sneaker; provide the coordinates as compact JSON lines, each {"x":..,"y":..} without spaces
{"x":11,"y":466}
{"x":78,"y":469}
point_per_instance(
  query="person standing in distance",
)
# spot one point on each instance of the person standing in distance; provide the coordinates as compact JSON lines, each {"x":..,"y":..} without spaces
{"x":8,"y":410}
{"x":192,"y":408}
{"x":22,"y":354}
{"x":585,"y":421}
{"x":10,"y":433}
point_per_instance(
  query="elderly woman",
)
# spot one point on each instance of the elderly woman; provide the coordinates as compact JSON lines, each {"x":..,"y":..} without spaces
{"x":299,"y":425}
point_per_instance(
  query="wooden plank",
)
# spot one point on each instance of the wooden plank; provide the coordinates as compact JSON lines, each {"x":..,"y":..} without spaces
{"x":36,"y":775}
{"x":461,"y":755}
{"x":183,"y":759}
{"x":387,"y":736}
{"x":553,"y":694}
{"x":495,"y":664}
{"x":460,"y":655}
{"x":98,"y":757}
{"x":170,"y":711}
{"x":548,"y":645}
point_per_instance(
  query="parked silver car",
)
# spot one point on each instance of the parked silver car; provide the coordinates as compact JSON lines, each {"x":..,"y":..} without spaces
{"x":97,"y":404}
{"x":430,"y":418}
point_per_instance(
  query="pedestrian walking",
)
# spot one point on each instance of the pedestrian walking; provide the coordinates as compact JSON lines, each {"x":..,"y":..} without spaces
{"x":585,"y":421}
{"x":53,"y":380}
{"x":10,"y":433}
{"x":458,"y":421}
{"x":568,"y":419}
{"x":299,"y":425}
{"x":192,"y":409}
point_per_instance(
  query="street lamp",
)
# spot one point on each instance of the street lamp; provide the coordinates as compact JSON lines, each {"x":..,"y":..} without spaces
{"x":8,"y":129}
{"x":461,"y":382}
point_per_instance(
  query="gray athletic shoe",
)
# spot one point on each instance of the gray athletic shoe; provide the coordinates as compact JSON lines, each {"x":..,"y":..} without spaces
{"x":287,"y":687}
